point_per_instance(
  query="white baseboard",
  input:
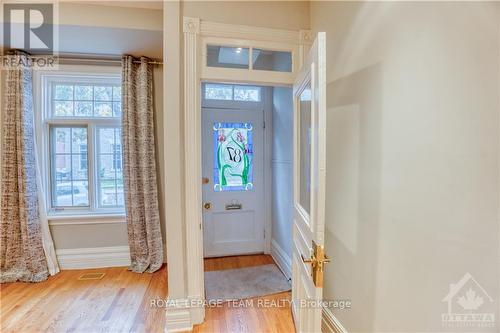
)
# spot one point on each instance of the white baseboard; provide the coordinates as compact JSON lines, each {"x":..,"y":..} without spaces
{"x":282,"y":259}
{"x":178,"y":320}
{"x":330,"y":323}
{"x":94,"y":257}
{"x":179,"y":315}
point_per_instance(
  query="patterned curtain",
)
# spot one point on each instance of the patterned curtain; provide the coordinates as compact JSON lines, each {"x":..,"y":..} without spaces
{"x":139,"y":166}
{"x":21,"y":247}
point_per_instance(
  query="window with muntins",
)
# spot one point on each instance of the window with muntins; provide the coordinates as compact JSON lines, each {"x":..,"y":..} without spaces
{"x":232,"y":92}
{"x":82,"y":128}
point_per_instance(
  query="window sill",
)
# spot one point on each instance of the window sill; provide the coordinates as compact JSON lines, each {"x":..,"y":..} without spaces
{"x":84,"y":218}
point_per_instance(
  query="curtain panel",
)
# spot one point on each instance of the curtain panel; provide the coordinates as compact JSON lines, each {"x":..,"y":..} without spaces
{"x":21,"y":246}
{"x":139,"y":166}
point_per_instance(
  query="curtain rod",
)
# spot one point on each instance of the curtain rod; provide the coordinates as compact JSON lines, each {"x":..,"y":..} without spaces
{"x":104,"y":60}
{"x":70,"y":57}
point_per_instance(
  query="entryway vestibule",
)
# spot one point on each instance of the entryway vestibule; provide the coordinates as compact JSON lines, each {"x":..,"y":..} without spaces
{"x":246,"y":168}
{"x":201,"y":41}
{"x":247,"y":185}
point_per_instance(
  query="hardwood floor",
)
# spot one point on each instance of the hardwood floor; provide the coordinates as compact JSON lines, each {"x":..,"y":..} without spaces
{"x":121,"y":302}
{"x":253,"y":319}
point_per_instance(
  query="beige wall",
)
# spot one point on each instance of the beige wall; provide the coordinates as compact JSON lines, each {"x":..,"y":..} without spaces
{"x":413,"y":157}
{"x":293,"y":15}
{"x":81,"y":14}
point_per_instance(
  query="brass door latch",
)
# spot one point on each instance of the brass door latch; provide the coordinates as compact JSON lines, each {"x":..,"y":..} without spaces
{"x":318,"y":260}
{"x":207,"y":205}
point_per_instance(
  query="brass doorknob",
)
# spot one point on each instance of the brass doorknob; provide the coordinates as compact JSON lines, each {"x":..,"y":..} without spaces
{"x":307,"y":261}
{"x":317,"y":260}
{"x":207,"y":205}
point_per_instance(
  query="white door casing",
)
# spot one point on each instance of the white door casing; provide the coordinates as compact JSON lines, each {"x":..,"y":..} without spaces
{"x":233,"y":221}
{"x":309,"y":183}
{"x":186,"y":278}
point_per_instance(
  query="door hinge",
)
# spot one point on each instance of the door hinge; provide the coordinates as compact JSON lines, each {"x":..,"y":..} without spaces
{"x":263,"y":124}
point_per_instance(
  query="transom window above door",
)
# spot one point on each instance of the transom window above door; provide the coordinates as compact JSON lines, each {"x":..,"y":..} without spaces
{"x":81,"y":129}
{"x":249,"y":58}
{"x":232,"y":92}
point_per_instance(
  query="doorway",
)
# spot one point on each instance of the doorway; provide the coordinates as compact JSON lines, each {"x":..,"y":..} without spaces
{"x":233,"y":169}
{"x":246,"y":134}
{"x":200,"y":37}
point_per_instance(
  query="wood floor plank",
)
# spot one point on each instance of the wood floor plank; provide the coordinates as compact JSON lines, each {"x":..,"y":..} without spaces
{"x":121,"y":302}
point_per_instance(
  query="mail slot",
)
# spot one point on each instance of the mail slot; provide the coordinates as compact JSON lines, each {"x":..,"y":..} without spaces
{"x":234,"y":206}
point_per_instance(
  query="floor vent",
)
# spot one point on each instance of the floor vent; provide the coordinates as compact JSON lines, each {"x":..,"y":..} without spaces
{"x":91,"y":276}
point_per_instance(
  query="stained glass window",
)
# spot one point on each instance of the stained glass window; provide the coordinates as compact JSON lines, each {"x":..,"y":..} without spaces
{"x":233,"y":157}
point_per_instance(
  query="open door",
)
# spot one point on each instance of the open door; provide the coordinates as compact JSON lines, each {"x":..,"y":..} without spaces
{"x":309,"y":161}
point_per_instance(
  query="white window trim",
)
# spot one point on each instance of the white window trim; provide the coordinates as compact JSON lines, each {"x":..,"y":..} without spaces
{"x":42,"y":127}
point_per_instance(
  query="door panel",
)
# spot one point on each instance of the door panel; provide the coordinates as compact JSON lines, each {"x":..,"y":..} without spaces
{"x":233,"y":161}
{"x":309,"y":188}
{"x":225,"y":229}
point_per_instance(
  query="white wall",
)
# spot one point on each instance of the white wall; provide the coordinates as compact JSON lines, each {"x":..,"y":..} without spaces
{"x":413,"y":157}
{"x":282,"y":169}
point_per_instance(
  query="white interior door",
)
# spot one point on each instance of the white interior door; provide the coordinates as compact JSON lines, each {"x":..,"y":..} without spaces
{"x":233,"y":195}
{"x":309,"y":188}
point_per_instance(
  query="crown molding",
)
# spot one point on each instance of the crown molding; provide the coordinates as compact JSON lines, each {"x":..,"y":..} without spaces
{"x":248,"y":32}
